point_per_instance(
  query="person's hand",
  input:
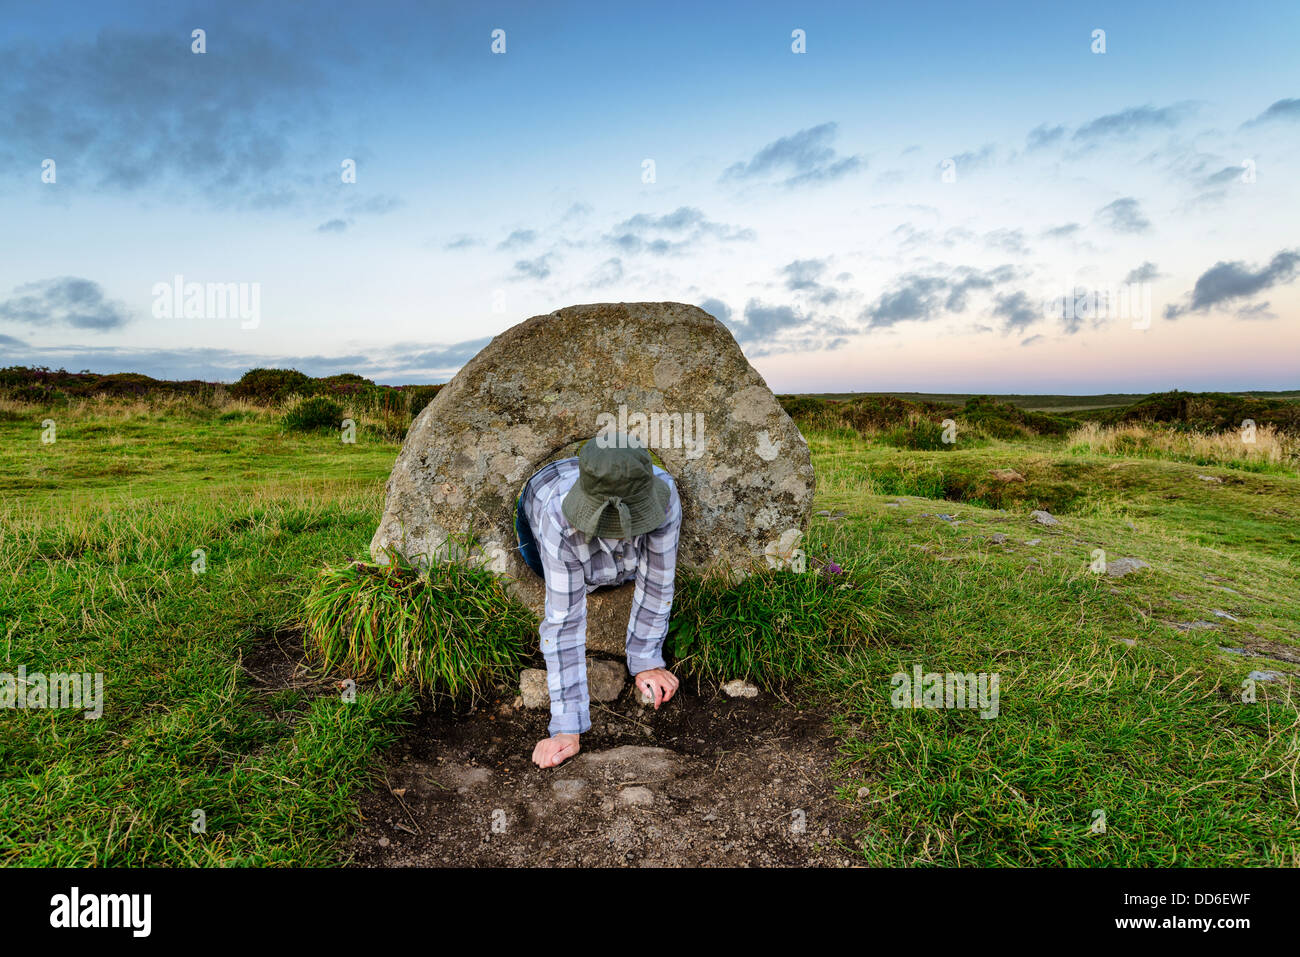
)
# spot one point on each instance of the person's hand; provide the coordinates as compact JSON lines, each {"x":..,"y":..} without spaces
{"x":659,"y":684}
{"x":555,"y":750}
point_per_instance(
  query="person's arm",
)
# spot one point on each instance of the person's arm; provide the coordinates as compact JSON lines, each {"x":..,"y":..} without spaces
{"x":652,"y":601}
{"x":563,"y":633}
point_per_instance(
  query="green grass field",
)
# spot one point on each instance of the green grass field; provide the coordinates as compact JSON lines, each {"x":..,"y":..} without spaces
{"x":1109,"y":701}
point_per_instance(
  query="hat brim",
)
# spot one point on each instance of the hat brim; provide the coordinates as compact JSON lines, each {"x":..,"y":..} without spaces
{"x":648,"y":513}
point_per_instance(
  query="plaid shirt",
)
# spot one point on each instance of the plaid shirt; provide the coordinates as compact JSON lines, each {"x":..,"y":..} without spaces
{"x":576,"y":564}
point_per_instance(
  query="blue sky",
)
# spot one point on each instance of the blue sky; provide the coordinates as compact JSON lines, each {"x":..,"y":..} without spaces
{"x":899,"y":207}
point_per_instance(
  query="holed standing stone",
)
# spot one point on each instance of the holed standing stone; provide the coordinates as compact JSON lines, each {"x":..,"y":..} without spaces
{"x":666,"y":372}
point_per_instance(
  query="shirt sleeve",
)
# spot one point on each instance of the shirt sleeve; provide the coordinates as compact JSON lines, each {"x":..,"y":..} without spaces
{"x":652,"y":601}
{"x":563,"y":633}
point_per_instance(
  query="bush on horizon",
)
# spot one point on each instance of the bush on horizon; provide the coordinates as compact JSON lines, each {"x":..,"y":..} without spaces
{"x":318,"y":412}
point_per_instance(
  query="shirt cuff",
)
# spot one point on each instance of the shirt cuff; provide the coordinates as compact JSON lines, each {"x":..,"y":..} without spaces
{"x":573,"y":723}
{"x":636,"y":665}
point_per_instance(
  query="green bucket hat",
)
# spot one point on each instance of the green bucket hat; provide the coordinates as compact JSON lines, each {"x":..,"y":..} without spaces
{"x":617,"y":494}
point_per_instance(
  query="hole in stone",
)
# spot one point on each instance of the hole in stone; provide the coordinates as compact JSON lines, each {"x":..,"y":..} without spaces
{"x":571,"y":451}
{"x":567,"y":451}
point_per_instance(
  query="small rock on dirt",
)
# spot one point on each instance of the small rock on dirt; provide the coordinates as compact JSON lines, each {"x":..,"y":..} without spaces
{"x":636,"y":797}
{"x":1043,"y":518}
{"x":567,"y":789}
{"x":1210,"y":478}
{"x":605,"y":679}
{"x":997,"y":538}
{"x":638,"y":762}
{"x":533,"y":688}
{"x":740,"y":689}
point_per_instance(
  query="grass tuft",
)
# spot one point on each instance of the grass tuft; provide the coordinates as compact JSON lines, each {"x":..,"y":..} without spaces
{"x":773,"y":626}
{"x":451,"y":632}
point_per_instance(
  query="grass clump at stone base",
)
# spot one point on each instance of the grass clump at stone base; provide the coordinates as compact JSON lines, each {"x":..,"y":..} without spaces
{"x":453,"y":631}
{"x":773,"y":626}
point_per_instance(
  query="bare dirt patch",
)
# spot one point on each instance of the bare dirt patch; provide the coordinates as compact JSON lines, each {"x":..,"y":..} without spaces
{"x":707,"y":780}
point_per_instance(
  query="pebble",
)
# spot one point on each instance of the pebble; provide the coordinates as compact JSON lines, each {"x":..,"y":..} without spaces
{"x":636,"y":797}
{"x":533,"y":690}
{"x":739,"y":689}
{"x":605,"y":679}
{"x":1124,"y":566}
{"x":566,"y":789}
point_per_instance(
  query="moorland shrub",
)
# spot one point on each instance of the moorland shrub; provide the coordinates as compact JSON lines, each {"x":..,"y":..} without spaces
{"x":318,"y":412}
{"x":271,"y":385}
